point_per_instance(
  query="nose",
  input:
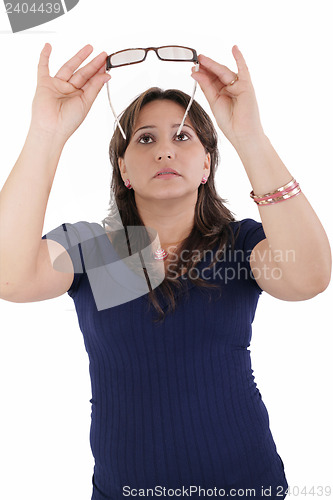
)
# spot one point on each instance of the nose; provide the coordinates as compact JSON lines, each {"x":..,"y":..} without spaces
{"x":161,"y":156}
{"x":164,"y":151}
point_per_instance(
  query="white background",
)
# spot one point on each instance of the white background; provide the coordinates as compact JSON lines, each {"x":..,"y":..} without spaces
{"x":45,"y":387}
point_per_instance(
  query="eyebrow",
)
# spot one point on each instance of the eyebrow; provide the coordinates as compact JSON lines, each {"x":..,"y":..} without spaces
{"x":154,"y":126}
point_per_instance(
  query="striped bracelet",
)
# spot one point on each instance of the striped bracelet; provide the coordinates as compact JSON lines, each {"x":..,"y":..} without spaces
{"x":283,"y":193}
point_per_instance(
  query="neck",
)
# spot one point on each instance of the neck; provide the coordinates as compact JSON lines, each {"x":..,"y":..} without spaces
{"x":172,"y":220}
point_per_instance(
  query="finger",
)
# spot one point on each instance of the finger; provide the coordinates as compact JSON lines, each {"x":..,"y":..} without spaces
{"x":213,"y":79}
{"x":208,"y":85}
{"x":43,"y":64}
{"x":67,"y":70}
{"x":80,"y":78}
{"x":211,"y":84}
{"x":222,"y":72}
{"x":243,"y":70}
{"x":102,"y":69}
{"x":93,"y":87}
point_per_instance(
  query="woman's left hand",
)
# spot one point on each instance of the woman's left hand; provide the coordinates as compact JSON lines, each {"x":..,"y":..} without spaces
{"x":234,"y":106}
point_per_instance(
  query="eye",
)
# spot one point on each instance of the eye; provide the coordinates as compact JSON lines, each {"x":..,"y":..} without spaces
{"x":145,"y":136}
{"x":183,"y":135}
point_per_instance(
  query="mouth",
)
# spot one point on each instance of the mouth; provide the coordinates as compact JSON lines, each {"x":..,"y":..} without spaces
{"x":166,"y":174}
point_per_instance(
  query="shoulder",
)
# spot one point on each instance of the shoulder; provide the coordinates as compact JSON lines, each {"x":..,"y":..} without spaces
{"x":247,"y":233}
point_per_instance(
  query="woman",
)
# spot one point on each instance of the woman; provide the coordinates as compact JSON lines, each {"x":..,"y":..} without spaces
{"x":174,"y":402}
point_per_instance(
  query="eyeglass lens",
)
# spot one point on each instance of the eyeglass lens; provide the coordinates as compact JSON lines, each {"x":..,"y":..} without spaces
{"x":137,"y":55}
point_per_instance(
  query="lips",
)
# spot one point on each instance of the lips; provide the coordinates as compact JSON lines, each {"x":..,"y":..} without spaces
{"x":164,"y":171}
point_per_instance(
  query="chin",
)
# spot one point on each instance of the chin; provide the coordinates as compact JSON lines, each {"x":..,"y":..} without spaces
{"x":173,"y":194}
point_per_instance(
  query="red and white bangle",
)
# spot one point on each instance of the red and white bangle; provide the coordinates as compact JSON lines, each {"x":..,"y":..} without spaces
{"x":281,"y":194}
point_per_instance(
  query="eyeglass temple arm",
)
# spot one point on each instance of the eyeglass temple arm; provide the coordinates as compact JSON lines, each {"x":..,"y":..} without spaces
{"x":113,"y":111}
{"x":183,"y":120}
{"x":190,"y":103}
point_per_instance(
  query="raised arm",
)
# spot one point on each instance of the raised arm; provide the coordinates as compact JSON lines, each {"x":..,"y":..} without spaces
{"x":60,"y":105}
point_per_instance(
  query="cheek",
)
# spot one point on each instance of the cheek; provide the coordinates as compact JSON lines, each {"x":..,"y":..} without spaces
{"x":195,"y":162}
{"x":133,"y":161}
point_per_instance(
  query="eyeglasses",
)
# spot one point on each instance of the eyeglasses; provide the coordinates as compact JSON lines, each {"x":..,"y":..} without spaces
{"x":165,"y":53}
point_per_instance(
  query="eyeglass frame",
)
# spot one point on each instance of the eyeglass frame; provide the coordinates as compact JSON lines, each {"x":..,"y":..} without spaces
{"x":109,"y":66}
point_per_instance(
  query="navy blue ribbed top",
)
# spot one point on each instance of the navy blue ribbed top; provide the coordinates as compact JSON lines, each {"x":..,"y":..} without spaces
{"x":175,"y":404}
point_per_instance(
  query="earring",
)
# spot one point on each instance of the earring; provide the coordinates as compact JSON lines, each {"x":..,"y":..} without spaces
{"x":128,"y":184}
{"x":204,"y":180}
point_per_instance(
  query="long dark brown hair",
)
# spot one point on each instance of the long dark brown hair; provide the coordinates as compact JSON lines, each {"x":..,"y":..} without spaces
{"x":211,"y":219}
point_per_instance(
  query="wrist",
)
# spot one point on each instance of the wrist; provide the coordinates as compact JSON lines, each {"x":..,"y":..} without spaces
{"x":262,"y":164}
{"x":48,"y":146}
{"x":247,"y":145}
{"x":45,"y":138}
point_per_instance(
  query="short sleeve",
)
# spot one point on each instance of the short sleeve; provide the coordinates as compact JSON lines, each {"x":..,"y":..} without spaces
{"x":69,"y":237}
{"x":248,"y":233}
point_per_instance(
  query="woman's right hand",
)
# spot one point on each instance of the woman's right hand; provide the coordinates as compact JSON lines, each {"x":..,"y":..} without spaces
{"x":61,"y":103}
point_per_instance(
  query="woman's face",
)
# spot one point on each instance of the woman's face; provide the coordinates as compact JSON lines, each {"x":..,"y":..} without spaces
{"x":157,"y":147}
